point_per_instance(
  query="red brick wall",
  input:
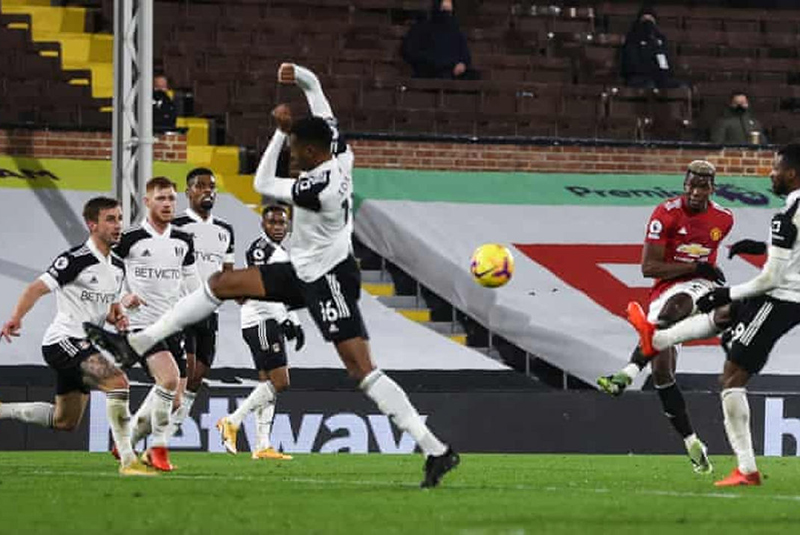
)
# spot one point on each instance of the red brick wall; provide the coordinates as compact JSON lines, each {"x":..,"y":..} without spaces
{"x":81,"y":145}
{"x":561,"y":159}
{"x":427,"y":155}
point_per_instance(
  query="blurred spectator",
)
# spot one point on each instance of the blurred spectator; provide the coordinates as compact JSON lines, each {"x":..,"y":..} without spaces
{"x":737,"y":126}
{"x":645,"y":55}
{"x":164,"y":114}
{"x":436,"y":48}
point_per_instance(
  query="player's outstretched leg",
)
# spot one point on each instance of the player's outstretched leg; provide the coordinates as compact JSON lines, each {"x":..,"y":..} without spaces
{"x":36,"y":412}
{"x":393,"y":401}
{"x":127,"y":349}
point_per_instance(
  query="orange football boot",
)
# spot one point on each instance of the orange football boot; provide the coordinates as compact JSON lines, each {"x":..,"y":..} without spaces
{"x":737,"y":479}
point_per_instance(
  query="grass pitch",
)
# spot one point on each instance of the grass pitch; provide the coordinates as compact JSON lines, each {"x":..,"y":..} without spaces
{"x":68,"y":492}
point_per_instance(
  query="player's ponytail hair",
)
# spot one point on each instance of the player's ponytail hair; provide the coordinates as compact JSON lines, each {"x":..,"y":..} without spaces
{"x":95,"y":205}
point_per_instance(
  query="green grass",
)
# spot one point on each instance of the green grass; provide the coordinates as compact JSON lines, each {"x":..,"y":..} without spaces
{"x":213,"y":493}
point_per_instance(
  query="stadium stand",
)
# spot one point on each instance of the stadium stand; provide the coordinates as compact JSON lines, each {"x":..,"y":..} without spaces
{"x":547,"y":70}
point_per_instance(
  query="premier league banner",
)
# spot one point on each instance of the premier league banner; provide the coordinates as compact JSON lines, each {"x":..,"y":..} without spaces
{"x":577,"y":242}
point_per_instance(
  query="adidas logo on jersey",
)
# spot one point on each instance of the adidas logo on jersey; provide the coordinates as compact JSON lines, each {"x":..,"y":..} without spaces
{"x":683,"y":231}
{"x":146,"y":252}
{"x":333,"y":329}
{"x":93,"y":280}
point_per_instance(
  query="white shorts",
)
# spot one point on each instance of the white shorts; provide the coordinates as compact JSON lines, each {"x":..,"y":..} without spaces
{"x":696,"y":288}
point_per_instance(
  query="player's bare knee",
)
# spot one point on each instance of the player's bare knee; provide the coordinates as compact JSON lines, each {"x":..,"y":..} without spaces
{"x":676,"y":308}
{"x":281,"y":384}
{"x":661,"y":369}
{"x":722,"y":317}
{"x":116,"y":381}
{"x":169,"y":382}
{"x":66,"y":422}
{"x":193,"y":385}
{"x":734,"y":376}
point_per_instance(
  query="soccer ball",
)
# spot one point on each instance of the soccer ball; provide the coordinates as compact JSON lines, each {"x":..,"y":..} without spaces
{"x":492,"y":265}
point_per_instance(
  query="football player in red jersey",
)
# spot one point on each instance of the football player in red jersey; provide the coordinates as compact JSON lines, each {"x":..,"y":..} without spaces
{"x":680,"y":253}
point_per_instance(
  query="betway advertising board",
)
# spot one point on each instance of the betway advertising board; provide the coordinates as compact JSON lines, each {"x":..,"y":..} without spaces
{"x":484,"y":421}
{"x":577,"y":243}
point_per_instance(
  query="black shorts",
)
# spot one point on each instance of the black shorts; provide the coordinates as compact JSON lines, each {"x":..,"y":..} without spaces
{"x":200,"y":339}
{"x":65,"y":357}
{"x":281,"y":284}
{"x":267,"y":345}
{"x":173,"y":344}
{"x":758,"y":323}
{"x":332,"y":301}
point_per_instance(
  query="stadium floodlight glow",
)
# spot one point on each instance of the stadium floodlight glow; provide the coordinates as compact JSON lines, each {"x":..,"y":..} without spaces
{"x":132,"y":123}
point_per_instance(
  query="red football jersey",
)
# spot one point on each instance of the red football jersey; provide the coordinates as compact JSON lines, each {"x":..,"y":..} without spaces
{"x":687,"y":236}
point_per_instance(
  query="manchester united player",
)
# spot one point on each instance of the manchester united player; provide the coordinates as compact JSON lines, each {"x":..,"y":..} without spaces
{"x":680,"y":253}
{"x":756,"y":314}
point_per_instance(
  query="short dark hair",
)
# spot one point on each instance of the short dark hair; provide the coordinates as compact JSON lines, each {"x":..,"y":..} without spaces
{"x":159,"y":182}
{"x":95,"y":205}
{"x":313,"y":131}
{"x":196,"y":172}
{"x":791,"y":156}
{"x":274,"y":208}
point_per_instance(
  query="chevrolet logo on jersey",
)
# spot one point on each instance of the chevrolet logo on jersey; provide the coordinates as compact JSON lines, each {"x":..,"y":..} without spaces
{"x":694,"y":250}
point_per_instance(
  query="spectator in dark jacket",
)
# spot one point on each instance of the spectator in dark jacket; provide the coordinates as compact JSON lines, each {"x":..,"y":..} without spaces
{"x":645,"y":55}
{"x":737,"y":126}
{"x":164,"y":113}
{"x":436,"y":48}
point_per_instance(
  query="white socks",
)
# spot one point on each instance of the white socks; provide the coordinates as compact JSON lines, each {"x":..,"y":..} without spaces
{"x":694,"y":327}
{"x":631,"y":370}
{"x":393,"y":402}
{"x":181,"y":413}
{"x":264,"y":416}
{"x":119,"y":417}
{"x":688,"y":441}
{"x":142,"y":419}
{"x":737,"y":426}
{"x":190,"y":309}
{"x":36,"y":412}
{"x":261,"y":395}
{"x":162,"y":408}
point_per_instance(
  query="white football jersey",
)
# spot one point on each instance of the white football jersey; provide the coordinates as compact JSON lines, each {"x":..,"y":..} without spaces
{"x":788,"y":288}
{"x":264,"y":251}
{"x":86,"y":283}
{"x":213,"y":241}
{"x":156,"y":266}
{"x":322,"y":222}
